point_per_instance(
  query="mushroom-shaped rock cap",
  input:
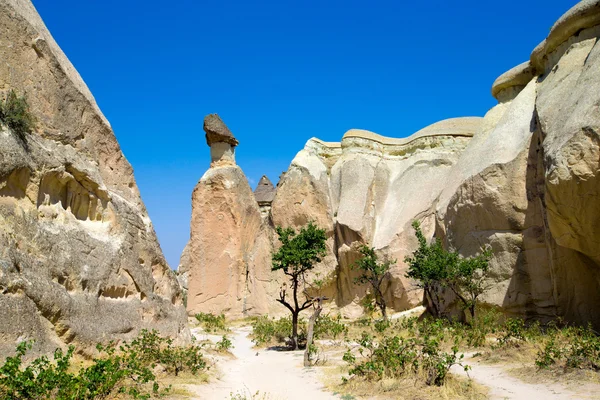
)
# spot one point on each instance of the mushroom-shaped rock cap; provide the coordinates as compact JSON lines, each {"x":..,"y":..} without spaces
{"x":217,"y":131}
{"x":265,"y":191}
{"x":517,"y":76}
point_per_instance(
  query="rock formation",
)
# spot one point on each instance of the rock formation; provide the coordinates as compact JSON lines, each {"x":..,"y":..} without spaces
{"x":264,"y":195}
{"x":524,"y":179}
{"x":230,"y":247}
{"x":79,"y":260}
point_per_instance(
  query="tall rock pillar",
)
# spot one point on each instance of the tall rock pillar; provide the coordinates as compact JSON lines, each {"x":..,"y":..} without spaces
{"x":229,"y":246}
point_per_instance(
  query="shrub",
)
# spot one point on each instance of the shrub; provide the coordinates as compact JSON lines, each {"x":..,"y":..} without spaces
{"x":267,"y":330}
{"x":327,"y":327}
{"x":395,"y":356}
{"x":126,"y":371}
{"x":571,"y":347}
{"x":16,"y":115}
{"x":434,"y":268}
{"x":212,"y":323}
{"x":513,"y":332}
{"x":224,"y":344}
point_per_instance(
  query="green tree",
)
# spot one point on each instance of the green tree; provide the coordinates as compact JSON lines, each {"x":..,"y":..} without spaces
{"x":374,"y":272}
{"x":298,"y":254}
{"x":467,"y":279}
{"x":428,"y":266}
{"x":435,"y":268}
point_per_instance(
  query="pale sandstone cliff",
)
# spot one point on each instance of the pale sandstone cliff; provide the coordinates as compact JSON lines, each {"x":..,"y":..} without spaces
{"x":79,"y":260}
{"x":523,"y":179}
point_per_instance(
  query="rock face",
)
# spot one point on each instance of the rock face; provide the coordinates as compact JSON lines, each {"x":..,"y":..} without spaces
{"x":79,"y":259}
{"x":524,"y":179}
{"x":229,"y":245}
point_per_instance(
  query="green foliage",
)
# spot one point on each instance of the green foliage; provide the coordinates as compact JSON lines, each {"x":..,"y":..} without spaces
{"x":15,"y":114}
{"x":267,"y":330}
{"x":212,"y":323}
{"x":396,"y":356}
{"x":435,"y":268}
{"x":224,"y":344}
{"x":299,"y":251}
{"x":428,"y":267}
{"x":483,"y":325}
{"x":514,"y":331}
{"x":381,"y":325}
{"x":327,"y":327}
{"x":571,"y":347}
{"x":296,"y":256}
{"x":373,"y":272}
{"x":127,"y":371}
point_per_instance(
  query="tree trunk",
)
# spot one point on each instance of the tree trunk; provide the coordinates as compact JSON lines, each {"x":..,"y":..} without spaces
{"x":472,"y":310}
{"x":383,"y":308}
{"x":295,"y":331}
{"x":431,"y":301}
{"x":309,"y":335}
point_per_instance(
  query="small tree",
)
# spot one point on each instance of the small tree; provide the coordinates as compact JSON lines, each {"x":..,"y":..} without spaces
{"x":435,"y":268}
{"x":373,"y":272}
{"x":428,"y":266}
{"x":467,"y":279}
{"x":298,"y":254}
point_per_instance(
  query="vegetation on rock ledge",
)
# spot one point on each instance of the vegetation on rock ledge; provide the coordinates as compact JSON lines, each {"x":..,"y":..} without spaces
{"x":16,"y":115}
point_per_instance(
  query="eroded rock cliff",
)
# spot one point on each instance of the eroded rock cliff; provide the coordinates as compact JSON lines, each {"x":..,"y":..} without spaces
{"x":523,"y":179}
{"x":79,"y":260}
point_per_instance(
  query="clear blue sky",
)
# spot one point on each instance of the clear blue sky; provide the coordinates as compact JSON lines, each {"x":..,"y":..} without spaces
{"x":279,"y":73}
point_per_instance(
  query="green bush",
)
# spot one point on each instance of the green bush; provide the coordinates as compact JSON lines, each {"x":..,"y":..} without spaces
{"x":395,"y":356}
{"x":571,"y":347}
{"x":267,"y":330}
{"x":212,"y":323}
{"x":327,"y":327}
{"x":435,"y":268}
{"x":224,"y":344}
{"x":15,"y":114}
{"x":127,"y":370}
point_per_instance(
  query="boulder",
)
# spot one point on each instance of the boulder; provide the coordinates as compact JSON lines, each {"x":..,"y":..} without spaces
{"x":217,"y":131}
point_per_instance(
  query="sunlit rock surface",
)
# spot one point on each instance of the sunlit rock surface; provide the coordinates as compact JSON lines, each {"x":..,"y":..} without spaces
{"x":79,"y":260}
{"x":523,"y":180}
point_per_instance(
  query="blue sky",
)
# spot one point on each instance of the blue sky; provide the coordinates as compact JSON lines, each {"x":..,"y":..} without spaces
{"x":279,"y":73}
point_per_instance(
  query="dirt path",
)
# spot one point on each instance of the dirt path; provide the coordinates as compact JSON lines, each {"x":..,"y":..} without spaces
{"x":503,"y":386}
{"x":275,"y":375}
{"x":279,"y":375}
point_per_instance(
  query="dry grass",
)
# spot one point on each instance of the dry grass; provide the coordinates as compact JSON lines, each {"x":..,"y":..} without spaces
{"x":571,"y":377}
{"x":410,"y":387}
{"x":521,"y":353}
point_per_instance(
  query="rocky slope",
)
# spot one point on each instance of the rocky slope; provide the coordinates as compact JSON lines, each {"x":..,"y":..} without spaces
{"x":523,"y":179}
{"x":79,"y":259}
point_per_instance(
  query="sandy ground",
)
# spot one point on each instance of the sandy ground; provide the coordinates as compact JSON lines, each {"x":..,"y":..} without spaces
{"x":503,"y":386}
{"x":263,"y":374}
{"x":276,"y":375}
